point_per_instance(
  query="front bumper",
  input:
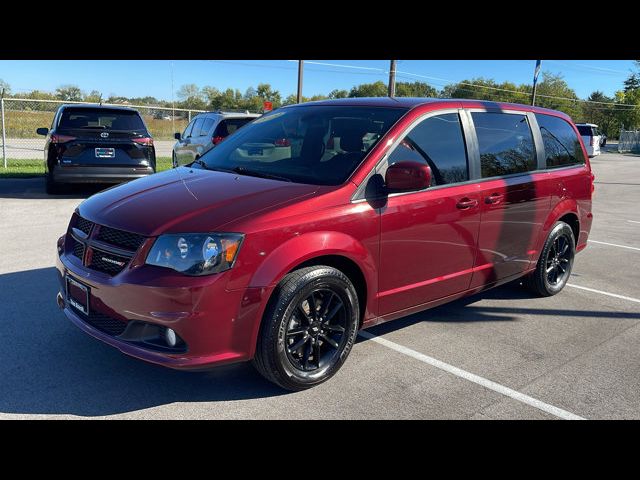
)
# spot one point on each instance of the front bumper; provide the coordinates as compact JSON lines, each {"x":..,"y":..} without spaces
{"x":64,"y":174}
{"x":218,"y":326}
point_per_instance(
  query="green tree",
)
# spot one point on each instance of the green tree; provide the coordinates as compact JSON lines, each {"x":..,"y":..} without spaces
{"x":415,"y":89}
{"x":4,"y":85}
{"x":487,"y":89}
{"x":338,"y":93}
{"x":94,"y":97}
{"x":632,"y":83}
{"x":553,"y":92}
{"x":69,"y":93}
{"x":602,"y":115}
{"x":191,"y":96}
{"x":266,"y":93}
{"x":628,"y":117}
{"x":376,"y":89}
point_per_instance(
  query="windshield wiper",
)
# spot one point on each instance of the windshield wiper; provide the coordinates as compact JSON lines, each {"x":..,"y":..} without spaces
{"x":197,"y":161}
{"x":256,"y":173}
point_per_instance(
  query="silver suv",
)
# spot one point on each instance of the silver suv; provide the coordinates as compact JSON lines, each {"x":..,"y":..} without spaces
{"x":204,"y":132}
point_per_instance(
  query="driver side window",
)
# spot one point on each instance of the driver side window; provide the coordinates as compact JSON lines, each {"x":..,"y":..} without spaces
{"x":437,"y":141}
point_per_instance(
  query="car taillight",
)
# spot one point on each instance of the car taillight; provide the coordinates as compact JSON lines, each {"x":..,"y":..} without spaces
{"x":56,"y":138}
{"x":148,"y":141}
{"x":331,"y":143}
{"x":217,"y":139}
{"x":282,"y":142}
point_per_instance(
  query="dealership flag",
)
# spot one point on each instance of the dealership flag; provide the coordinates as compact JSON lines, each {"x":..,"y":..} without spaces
{"x":536,"y":71}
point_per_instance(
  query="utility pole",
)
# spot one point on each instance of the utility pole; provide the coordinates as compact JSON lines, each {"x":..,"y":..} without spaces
{"x":173,"y":105}
{"x":4,"y":135}
{"x":536,"y":72}
{"x":300,"y":68}
{"x":392,"y":79}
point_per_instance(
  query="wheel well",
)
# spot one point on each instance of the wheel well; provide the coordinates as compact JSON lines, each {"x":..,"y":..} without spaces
{"x":349,"y":268}
{"x":572,"y":220}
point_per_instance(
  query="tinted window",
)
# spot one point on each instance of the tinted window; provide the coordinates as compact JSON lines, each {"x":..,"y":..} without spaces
{"x":319,"y":145}
{"x":206,"y":126}
{"x":585,"y":130}
{"x":505,"y":142}
{"x":101,"y":118}
{"x":187,"y":131}
{"x":197,"y":125}
{"x":230,"y":125}
{"x":561,"y":144}
{"x":439,"y":142}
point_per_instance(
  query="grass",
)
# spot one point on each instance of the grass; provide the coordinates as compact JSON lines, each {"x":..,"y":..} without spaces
{"x":35,"y":168}
{"x":23,"y":124}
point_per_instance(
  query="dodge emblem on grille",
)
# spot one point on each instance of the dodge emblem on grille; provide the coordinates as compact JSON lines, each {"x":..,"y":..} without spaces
{"x":104,"y":134}
{"x":111,"y":260}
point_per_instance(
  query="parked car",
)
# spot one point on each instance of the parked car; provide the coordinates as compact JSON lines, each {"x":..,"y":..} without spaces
{"x":249,"y":254}
{"x":592,"y":138}
{"x":96,"y":144}
{"x":205,"y":131}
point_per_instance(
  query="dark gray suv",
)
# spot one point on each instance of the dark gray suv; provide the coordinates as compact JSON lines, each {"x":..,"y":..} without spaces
{"x":204,"y":132}
{"x":96,"y":144}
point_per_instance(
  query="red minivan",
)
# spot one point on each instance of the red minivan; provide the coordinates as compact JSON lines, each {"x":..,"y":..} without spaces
{"x":317,"y":220}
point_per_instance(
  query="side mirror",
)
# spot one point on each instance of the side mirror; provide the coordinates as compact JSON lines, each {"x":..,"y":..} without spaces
{"x":42,"y":131}
{"x":407,"y":175}
{"x":177,"y":136}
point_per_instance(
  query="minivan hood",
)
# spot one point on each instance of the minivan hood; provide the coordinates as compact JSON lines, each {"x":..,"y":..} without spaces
{"x":187,"y":200}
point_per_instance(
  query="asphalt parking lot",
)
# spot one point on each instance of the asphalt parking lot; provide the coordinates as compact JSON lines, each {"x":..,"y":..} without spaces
{"x":502,"y":354}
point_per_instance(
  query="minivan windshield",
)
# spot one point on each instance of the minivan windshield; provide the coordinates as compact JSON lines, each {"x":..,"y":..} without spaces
{"x":101,"y":119}
{"x":319,"y":145}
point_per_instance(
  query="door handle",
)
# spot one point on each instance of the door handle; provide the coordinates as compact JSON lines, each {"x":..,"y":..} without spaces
{"x":466,"y":203}
{"x":494,"y":198}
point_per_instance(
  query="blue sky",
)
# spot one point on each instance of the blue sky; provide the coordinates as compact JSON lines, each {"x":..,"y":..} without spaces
{"x":136,"y":78}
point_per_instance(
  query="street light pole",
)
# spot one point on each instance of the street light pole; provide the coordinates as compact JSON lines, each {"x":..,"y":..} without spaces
{"x":300,"y":69}
{"x":392,"y":79}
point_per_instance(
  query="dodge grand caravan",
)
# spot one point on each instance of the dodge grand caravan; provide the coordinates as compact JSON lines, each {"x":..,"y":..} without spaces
{"x":282,"y":242}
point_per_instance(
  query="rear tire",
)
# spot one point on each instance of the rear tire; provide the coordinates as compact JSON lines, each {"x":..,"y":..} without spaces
{"x":51,"y":186}
{"x":300,"y":346}
{"x":555,"y":263}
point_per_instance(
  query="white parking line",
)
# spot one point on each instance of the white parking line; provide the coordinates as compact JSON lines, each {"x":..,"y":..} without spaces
{"x":496,"y":387}
{"x":615,"y":295}
{"x":632,"y":221}
{"x":615,"y":244}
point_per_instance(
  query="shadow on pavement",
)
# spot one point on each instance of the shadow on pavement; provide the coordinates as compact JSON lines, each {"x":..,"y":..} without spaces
{"x":463,"y":310}
{"x":50,"y":367}
{"x":33,"y":188}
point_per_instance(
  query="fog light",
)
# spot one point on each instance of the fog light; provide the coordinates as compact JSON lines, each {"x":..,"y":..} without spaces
{"x":170,"y":337}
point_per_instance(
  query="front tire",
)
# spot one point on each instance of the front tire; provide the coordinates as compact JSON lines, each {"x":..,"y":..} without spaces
{"x":308,"y":329}
{"x":174,"y":160}
{"x":555,"y":263}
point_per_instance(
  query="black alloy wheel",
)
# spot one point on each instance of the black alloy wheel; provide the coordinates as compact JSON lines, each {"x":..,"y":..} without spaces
{"x":308,"y":329}
{"x":555,"y":263}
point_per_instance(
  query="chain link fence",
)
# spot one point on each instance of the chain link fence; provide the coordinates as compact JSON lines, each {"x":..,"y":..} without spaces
{"x":21,"y":117}
{"x":629,"y":141}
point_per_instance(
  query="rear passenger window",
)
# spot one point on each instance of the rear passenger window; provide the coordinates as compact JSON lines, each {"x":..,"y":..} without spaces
{"x":206,"y":126}
{"x":561,"y":144}
{"x":505,"y":142}
{"x":439,"y":142}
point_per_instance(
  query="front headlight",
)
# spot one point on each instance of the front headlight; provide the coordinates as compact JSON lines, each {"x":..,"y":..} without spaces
{"x":196,"y":253}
